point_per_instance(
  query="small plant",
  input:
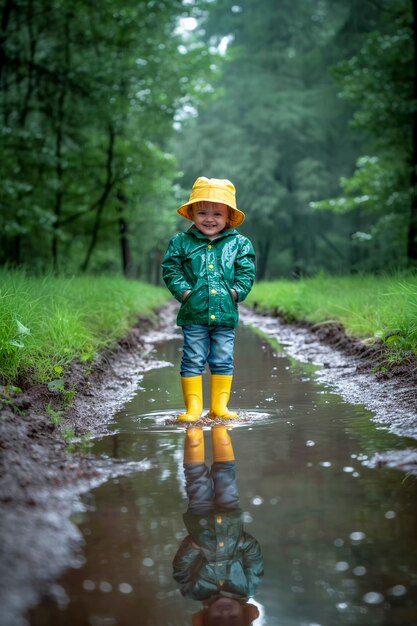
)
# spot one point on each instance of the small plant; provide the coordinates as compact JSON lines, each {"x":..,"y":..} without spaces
{"x":56,"y":416}
{"x":56,"y":385}
{"x":14,"y":343}
{"x":8,"y":389}
{"x":69,"y":395}
{"x":87,"y":353}
{"x":86,"y":443}
{"x":68,"y":435}
{"x":77,"y":444}
{"x":7,"y":398}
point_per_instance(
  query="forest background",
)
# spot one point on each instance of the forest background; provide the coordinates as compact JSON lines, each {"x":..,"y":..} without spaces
{"x":109,"y":111}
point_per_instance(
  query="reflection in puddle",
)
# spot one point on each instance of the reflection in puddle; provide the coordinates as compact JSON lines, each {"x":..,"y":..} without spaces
{"x":338,"y":538}
{"x":218,"y":563}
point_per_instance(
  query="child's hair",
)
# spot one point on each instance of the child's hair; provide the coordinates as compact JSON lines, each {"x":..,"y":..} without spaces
{"x":199,"y":205}
{"x":250,"y":613}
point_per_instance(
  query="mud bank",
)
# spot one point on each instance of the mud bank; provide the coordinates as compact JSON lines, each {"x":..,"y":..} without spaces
{"x":41,"y":483}
{"x":351,"y":368}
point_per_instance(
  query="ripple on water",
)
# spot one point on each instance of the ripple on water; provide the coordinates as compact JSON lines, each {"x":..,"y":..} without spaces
{"x":167,"y":419}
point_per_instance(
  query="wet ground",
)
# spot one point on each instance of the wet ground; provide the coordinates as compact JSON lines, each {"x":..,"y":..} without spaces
{"x":338,"y":534}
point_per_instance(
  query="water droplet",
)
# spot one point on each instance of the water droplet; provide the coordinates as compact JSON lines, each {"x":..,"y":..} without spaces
{"x":257,"y":500}
{"x":341,"y":566}
{"x":247,"y":517}
{"x":342,"y":606}
{"x":89,"y":585}
{"x":390,"y":514}
{"x":373,"y":597}
{"x":359,"y":570}
{"x":357,"y":536}
{"x":325,"y":464}
{"x":355,"y":474}
{"x":203,"y":522}
{"x":348,"y":469}
{"x":398,"y":590}
{"x":310,"y":443}
{"x":124,"y":509}
{"x":148,"y":562}
{"x":338,"y":543}
{"x":125,"y":588}
{"x":105,"y":587}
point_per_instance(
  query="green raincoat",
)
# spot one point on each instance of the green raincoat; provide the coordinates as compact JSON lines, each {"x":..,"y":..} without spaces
{"x":210,"y":269}
{"x":228,"y":562}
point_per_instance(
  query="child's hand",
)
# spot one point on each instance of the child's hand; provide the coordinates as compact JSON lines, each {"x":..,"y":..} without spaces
{"x":234,"y":292}
{"x":185,"y":294}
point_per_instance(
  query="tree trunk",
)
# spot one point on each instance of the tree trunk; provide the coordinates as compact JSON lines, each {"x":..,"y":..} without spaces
{"x":264,"y":247}
{"x":108,"y":186}
{"x":58,"y":150}
{"x":158,"y":254}
{"x":412,"y":231}
{"x":5,"y":17}
{"x":58,"y":172}
{"x":125,"y":249}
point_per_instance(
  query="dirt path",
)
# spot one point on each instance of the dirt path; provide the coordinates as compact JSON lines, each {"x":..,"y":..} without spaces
{"x":41,"y":483}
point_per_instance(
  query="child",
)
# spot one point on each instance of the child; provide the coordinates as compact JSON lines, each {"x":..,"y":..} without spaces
{"x":209,"y":269}
{"x":218,"y":563}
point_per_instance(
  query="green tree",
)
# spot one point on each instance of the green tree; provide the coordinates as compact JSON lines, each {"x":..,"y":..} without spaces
{"x":277,"y":128}
{"x":89,"y":94}
{"x":380,"y":81}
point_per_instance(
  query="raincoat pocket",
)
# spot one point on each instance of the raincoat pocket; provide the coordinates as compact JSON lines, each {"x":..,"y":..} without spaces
{"x":228,"y":302}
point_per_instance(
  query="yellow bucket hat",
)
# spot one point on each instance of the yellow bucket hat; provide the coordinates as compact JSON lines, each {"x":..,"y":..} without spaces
{"x":214,"y":190}
{"x":250,"y":613}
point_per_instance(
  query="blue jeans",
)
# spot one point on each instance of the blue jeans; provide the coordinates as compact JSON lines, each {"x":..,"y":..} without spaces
{"x":204,"y":343}
{"x":210,"y":491}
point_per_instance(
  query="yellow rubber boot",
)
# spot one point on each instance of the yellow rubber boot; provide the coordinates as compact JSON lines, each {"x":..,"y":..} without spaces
{"x":192,"y":389}
{"x":194,"y":446}
{"x":220,"y":394}
{"x":222,"y":444}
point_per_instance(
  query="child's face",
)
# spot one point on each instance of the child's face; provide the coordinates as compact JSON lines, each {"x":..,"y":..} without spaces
{"x":210,"y":217}
{"x":225,"y":611}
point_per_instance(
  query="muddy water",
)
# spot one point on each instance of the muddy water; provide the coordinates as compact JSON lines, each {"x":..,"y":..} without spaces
{"x":339,"y":539}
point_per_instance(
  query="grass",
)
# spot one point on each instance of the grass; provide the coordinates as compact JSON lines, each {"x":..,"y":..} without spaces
{"x":46,"y":323}
{"x":376,"y":307}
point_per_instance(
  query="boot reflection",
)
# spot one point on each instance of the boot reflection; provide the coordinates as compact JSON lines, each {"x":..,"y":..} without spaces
{"x":218,"y":563}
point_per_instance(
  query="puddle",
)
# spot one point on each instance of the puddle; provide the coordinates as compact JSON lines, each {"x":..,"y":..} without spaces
{"x":338,"y":538}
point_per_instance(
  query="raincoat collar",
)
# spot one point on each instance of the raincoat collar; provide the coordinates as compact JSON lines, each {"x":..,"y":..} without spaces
{"x":193,"y":230}
{"x":225,"y":594}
